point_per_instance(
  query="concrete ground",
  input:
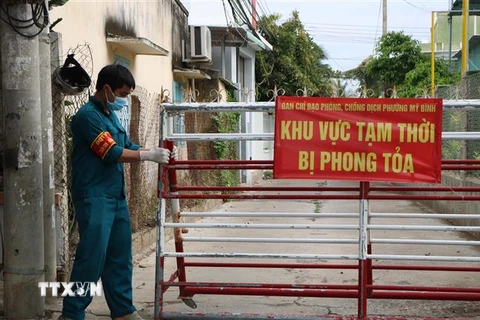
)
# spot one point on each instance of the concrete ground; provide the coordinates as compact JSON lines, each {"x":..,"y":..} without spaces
{"x":299,"y":307}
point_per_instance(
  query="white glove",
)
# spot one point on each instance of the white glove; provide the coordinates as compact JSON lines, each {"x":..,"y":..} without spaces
{"x":174,"y":154}
{"x":156,"y":154}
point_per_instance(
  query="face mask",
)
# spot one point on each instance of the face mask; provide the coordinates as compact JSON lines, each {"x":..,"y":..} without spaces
{"x":118,"y":104}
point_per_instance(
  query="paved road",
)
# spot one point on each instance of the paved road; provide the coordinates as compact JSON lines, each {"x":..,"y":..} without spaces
{"x":145,"y":266}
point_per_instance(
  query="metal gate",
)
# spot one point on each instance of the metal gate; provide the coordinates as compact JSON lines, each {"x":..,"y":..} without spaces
{"x":364,"y":259}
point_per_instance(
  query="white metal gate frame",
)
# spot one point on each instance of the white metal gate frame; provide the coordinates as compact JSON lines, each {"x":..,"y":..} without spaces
{"x":365,"y":289}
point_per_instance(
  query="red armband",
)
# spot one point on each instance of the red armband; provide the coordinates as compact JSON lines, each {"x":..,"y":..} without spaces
{"x":102,"y":144}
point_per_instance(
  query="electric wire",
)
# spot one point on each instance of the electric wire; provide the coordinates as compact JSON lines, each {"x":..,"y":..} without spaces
{"x":321,"y":25}
{"x":266,"y":8}
{"x":261,"y":25}
{"x":378,"y":26}
{"x":245,"y":16}
{"x":368,"y":34}
{"x":259,"y":11}
{"x":415,"y":6}
{"x":225,"y":11}
{"x":262,"y":12}
{"x":364,"y":30}
{"x":265,"y":11}
{"x":235,"y":11}
{"x":242,"y":17}
{"x":40,"y":19}
{"x":5,"y":10}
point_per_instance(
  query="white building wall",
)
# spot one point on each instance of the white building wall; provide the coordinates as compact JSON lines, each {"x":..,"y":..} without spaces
{"x":231,"y":62}
{"x":252,"y":122}
{"x":230,"y":57}
{"x":217,"y":59}
{"x":86,"y":21}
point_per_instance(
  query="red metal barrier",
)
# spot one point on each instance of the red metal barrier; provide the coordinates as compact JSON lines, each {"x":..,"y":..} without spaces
{"x":365,"y":289}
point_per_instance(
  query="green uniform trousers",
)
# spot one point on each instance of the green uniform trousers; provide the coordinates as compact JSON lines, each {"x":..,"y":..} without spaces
{"x":104,"y":252}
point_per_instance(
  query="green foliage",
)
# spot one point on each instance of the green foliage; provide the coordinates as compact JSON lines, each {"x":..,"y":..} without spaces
{"x":398,"y":62}
{"x":339,"y":87}
{"x":295,"y":61}
{"x":229,"y":178}
{"x":359,"y":73}
{"x":395,"y":55}
{"x":267,"y":174}
{"x":227,"y":122}
{"x":419,"y":79}
{"x":451,"y":149}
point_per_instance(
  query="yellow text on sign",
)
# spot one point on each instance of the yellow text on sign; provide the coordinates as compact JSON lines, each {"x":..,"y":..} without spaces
{"x":354,"y":162}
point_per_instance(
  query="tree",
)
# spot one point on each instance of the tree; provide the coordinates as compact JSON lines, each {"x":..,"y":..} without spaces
{"x":395,"y":55}
{"x":418,"y":81}
{"x":398,"y":62}
{"x":360,"y":74}
{"x":295,"y":61}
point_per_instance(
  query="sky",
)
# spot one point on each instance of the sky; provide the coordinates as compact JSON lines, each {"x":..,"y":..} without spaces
{"x":346,"y":29}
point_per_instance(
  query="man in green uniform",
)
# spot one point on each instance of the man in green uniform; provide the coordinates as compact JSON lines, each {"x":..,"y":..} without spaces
{"x":100,"y":147}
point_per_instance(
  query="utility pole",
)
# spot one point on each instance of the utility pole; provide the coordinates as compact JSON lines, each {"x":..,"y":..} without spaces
{"x":48,"y":158}
{"x":254,"y":14}
{"x":432,"y":55}
{"x":450,"y":36}
{"x":385,"y":17}
{"x":465,"y":11}
{"x":23,"y":206}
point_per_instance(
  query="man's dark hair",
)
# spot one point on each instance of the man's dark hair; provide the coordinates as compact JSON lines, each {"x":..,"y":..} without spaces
{"x":116,"y":76}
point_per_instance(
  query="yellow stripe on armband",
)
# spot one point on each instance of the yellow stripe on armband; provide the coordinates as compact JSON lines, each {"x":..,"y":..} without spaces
{"x":102,"y":144}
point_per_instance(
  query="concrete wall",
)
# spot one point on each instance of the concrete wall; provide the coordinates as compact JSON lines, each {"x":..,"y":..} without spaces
{"x":180,"y":32}
{"x":160,"y":21}
{"x":456,"y":207}
{"x":256,"y":150}
{"x":230,"y":55}
{"x":240,"y":70}
{"x":89,"y":22}
{"x":442,"y":33}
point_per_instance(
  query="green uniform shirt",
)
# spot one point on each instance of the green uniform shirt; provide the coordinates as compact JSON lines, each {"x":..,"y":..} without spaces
{"x":98,"y":143}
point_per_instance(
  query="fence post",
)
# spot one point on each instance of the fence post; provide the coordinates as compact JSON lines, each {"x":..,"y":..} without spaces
{"x":48,"y":164}
{"x":135,"y":168}
{"x":60,"y":160}
{"x":364,"y":272}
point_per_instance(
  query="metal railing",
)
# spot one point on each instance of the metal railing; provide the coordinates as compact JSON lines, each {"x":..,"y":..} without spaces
{"x":360,"y":232}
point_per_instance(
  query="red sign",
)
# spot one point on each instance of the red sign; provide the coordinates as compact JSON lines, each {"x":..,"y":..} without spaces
{"x":358,"y":139}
